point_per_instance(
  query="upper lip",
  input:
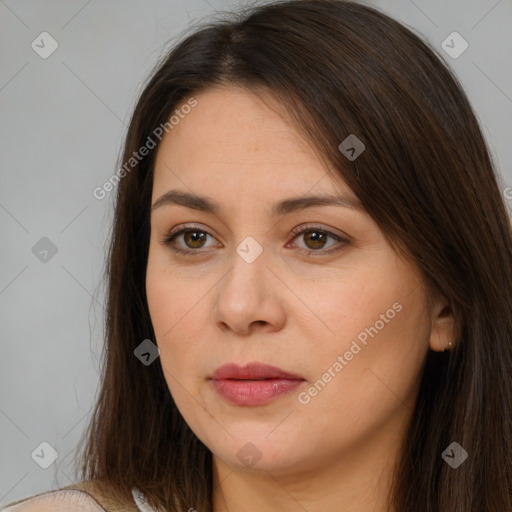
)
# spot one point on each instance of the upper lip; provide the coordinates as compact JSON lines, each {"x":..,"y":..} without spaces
{"x":252,"y":371}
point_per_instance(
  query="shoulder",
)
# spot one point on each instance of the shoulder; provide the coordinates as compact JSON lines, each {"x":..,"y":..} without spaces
{"x":61,"y":500}
{"x":85,"y":496}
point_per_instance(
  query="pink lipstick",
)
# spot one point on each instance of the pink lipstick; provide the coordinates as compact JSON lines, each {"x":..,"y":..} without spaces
{"x":254,"y":383}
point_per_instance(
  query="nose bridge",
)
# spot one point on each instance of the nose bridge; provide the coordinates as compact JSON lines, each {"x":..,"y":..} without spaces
{"x":245,"y":295}
{"x":247,"y":268}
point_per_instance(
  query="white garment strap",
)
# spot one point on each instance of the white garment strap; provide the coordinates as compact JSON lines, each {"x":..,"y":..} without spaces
{"x":140,"y":501}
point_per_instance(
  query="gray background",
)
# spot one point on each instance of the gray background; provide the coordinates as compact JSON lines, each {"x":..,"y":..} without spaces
{"x":62,"y":124}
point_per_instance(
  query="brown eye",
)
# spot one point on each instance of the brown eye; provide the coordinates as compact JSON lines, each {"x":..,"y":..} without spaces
{"x":315,"y":239}
{"x":193,"y":238}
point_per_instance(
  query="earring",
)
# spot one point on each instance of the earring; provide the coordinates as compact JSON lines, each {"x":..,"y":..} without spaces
{"x":449,"y":347}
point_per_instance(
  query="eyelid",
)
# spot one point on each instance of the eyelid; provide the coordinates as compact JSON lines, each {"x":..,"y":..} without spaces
{"x":186,"y":227}
{"x":326,"y":229}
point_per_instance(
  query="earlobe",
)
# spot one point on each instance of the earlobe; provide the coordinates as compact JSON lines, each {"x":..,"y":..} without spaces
{"x":442,"y":335}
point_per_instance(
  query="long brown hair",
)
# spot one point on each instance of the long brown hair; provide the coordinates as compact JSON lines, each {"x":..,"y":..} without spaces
{"x":426,"y":177}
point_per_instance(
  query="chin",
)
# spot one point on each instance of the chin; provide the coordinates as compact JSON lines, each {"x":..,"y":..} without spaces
{"x":256,"y":451}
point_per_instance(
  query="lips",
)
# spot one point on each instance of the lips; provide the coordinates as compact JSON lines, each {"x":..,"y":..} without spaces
{"x":252,"y":371}
{"x":253,"y":384}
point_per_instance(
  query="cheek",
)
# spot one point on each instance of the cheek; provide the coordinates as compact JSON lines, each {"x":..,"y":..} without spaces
{"x":350,"y":306}
{"x":171,"y":308}
{"x":172,"y":295}
{"x":379,"y":326}
{"x":376,"y":360}
{"x":400,"y":349}
{"x":174,"y":305}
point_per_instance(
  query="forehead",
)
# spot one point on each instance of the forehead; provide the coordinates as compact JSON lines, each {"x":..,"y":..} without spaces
{"x":232,"y":139}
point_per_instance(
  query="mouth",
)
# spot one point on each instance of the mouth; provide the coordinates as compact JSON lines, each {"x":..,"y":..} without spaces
{"x":254,"y":383}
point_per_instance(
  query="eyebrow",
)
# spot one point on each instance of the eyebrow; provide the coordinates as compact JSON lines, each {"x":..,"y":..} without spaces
{"x":293,"y":204}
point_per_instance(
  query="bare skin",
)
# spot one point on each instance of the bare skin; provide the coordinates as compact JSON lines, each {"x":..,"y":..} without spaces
{"x":333,"y":449}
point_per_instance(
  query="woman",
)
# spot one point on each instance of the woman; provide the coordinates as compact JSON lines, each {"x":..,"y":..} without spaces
{"x":253,"y":365}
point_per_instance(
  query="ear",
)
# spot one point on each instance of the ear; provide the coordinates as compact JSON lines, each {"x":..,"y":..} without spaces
{"x":443,"y":329}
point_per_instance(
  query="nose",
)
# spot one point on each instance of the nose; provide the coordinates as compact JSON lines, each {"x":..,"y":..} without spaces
{"x":250,"y":297}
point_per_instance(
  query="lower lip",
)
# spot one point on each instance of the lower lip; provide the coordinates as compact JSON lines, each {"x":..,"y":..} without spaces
{"x":254,"y":392}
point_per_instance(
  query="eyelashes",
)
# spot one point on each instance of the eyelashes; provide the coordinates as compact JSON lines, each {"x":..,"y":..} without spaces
{"x":199,"y":235}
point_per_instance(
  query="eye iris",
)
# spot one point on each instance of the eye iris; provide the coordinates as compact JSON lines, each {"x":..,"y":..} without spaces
{"x":199,"y":237}
{"x":316,"y":234}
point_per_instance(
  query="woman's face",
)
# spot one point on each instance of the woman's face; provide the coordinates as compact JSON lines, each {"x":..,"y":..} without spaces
{"x":348,"y":320}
